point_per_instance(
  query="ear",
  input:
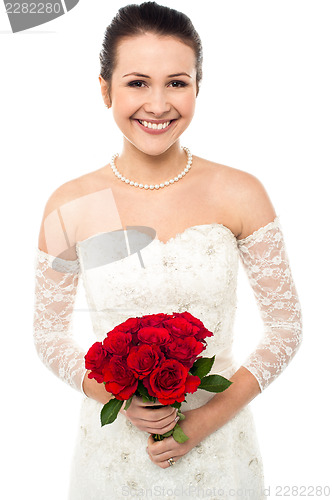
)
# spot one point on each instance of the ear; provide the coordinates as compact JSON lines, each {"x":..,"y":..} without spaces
{"x":104,"y":92}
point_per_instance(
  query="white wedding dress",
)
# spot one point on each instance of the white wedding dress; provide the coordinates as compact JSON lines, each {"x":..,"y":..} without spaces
{"x":195,"y":271}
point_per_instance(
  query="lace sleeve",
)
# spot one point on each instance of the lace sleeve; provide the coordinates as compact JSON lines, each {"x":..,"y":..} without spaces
{"x":265,"y":261}
{"x":55,"y":292}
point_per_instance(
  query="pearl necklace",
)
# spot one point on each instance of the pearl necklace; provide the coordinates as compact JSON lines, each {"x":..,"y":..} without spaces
{"x":155,"y":186}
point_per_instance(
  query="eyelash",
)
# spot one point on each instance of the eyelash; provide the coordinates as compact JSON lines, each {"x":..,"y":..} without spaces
{"x":132,"y":84}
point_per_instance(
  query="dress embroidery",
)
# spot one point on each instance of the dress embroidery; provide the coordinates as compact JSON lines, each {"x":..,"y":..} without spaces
{"x":197,"y":272}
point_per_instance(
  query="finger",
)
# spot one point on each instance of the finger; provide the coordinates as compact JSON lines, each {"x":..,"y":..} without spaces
{"x":155,"y":429}
{"x":161,"y":459}
{"x":161,"y":414}
{"x":174,"y":459}
{"x":159,"y":448}
{"x":153,"y":417}
{"x":140,"y":402}
{"x":161,"y":426}
{"x":151,"y":441}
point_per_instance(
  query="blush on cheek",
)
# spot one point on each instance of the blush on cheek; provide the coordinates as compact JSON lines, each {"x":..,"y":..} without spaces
{"x":187,"y":107}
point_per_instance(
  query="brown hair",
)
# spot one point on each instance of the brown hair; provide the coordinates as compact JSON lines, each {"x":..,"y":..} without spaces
{"x":133,"y":20}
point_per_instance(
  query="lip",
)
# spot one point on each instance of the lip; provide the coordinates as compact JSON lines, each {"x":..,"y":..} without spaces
{"x":155,"y":131}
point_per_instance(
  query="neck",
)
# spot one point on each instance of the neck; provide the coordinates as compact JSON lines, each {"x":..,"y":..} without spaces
{"x":150,"y":169}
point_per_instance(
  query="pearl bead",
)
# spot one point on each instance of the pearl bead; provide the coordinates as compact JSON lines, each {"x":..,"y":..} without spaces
{"x":156,"y":186}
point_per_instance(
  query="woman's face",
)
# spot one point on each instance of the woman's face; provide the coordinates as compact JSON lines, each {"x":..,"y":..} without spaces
{"x":153,"y":85}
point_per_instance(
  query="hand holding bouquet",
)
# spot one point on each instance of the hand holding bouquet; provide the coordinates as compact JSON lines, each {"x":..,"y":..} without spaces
{"x":155,"y":357}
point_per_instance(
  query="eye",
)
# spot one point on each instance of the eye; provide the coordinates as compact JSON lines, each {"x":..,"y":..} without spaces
{"x":136,"y":83}
{"x":178,"y":84}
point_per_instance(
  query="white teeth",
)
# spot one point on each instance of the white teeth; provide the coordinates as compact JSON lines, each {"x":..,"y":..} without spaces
{"x":154,"y":126}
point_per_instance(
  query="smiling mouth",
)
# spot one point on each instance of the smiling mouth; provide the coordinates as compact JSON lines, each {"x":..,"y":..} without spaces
{"x":155,"y":126}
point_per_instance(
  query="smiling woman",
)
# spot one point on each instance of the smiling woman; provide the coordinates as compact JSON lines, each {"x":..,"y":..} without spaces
{"x":155,"y":98}
{"x":207,"y":217}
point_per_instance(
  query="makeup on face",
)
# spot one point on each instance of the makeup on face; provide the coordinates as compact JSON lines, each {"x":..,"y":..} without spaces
{"x":153,"y":90}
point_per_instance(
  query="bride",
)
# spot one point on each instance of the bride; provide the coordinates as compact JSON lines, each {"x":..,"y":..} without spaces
{"x":203,"y":217}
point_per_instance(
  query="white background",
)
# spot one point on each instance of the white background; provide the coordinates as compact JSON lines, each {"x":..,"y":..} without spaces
{"x":265,"y":107}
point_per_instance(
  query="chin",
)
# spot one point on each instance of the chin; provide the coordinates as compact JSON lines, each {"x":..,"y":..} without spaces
{"x":153,"y":149}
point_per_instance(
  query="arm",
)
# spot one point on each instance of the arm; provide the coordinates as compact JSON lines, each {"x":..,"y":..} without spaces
{"x":55,"y":292}
{"x":262,"y":252}
{"x":56,"y":288}
{"x":57,"y":272}
{"x":263,"y":255}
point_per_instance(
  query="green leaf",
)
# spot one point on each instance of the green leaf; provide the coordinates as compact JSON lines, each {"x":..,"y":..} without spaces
{"x":202,"y":366}
{"x":176,"y":405}
{"x":214,"y":383}
{"x":179,"y":435}
{"x":110,"y":411}
{"x":128,"y":403}
{"x":144,"y":393}
{"x":160,"y":437}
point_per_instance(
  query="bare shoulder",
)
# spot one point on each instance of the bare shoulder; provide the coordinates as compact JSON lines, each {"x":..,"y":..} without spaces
{"x":243,"y":195}
{"x":75,"y":188}
{"x":255,"y":206}
{"x":61,"y":197}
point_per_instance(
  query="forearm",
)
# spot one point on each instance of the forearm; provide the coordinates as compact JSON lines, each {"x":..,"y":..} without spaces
{"x":95,"y":390}
{"x":225,"y":405}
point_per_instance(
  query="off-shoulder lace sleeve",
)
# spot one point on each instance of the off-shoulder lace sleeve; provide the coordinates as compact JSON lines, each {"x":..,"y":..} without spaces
{"x":265,"y":261}
{"x":56,"y":282}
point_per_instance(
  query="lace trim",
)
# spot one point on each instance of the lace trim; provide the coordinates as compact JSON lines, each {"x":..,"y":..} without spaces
{"x":55,"y":293}
{"x":263,"y":255}
{"x":60,"y":265}
{"x":260,"y":232}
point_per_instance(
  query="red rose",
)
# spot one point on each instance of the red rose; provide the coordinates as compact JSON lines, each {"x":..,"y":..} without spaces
{"x":144,"y":359}
{"x":167,"y":382}
{"x":184,"y":350}
{"x":118,"y":342}
{"x":154,"y":319}
{"x":131,"y":325}
{"x":192,"y":383}
{"x":202,"y":332}
{"x":152,"y":335}
{"x":95,"y":360}
{"x":120,"y":380}
{"x":180,"y":327}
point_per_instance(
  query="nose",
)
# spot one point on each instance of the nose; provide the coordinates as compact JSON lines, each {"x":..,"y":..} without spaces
{"x":157,"y":102}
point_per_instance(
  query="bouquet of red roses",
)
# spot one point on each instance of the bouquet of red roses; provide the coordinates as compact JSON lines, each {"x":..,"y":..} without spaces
{"x":155,"y":357}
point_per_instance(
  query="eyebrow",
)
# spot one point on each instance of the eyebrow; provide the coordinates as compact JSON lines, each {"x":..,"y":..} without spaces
{"x":146,"y":76}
